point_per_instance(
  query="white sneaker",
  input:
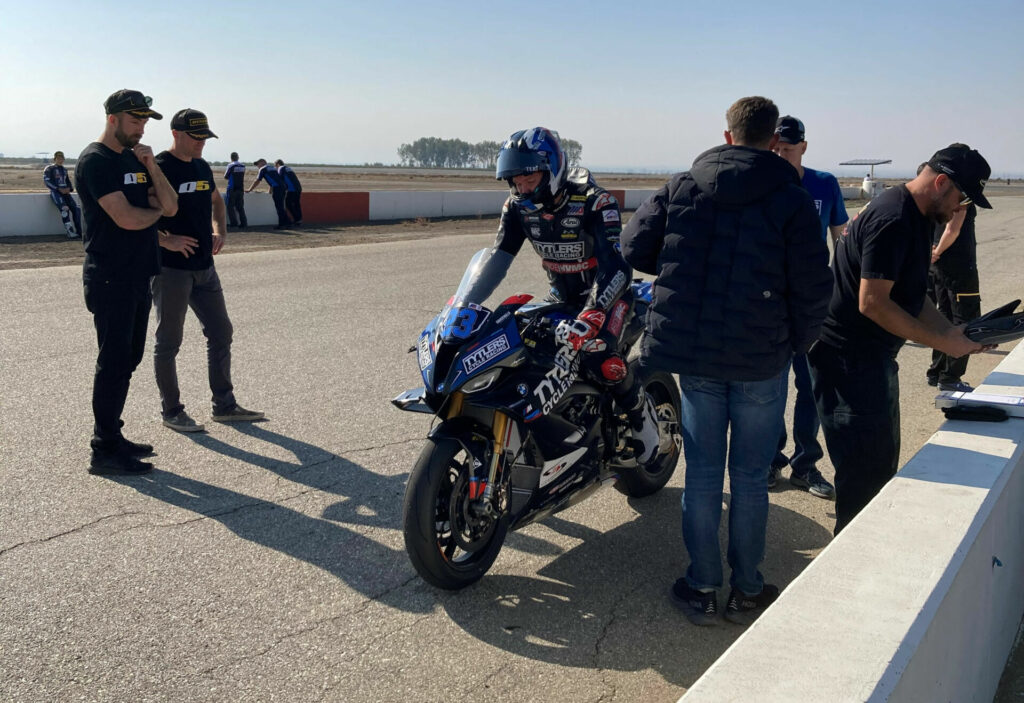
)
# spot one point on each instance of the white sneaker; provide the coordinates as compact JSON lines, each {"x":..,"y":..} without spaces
{"x":646,"y":437}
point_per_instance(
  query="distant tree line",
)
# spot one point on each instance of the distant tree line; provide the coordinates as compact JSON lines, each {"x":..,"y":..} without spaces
{"x":434,"y":152}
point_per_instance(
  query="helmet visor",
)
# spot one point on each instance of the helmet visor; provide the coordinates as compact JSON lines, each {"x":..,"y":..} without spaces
{"x":512,"y":162}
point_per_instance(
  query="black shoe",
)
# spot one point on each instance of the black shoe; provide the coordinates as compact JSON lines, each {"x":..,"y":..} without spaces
{"x":743,"y":609}
{"x":773,"y":475}
{"x":136,"y":448}
{"x":281,"y":227}
{"x":956,"y":386}
{"x":700,"y":608}
{"x":237,"y":414}
{"x":932,"y":380}
{"x":106,"y":463}
{"x":814,"y":483}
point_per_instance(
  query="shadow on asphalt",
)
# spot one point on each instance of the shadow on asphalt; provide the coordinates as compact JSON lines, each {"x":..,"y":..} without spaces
{"x":601,"y":604}
{"x":369,"y":567}
{"x":612,"y":589}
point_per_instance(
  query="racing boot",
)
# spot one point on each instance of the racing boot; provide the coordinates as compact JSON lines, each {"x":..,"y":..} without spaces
{"x":643,"y":422}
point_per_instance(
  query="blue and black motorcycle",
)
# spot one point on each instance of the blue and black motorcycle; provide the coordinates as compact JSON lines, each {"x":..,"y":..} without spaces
{"x":523,"y":433}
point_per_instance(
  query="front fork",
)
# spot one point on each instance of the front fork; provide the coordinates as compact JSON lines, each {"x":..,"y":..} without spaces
{"x":481,"y":492}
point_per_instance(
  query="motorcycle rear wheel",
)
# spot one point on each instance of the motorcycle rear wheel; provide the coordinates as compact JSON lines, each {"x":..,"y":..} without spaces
{"x":447,"y":545}
{"x":652,"y":477}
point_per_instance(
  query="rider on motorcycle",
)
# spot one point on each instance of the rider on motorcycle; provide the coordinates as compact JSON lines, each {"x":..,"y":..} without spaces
{"x":574,"y":225}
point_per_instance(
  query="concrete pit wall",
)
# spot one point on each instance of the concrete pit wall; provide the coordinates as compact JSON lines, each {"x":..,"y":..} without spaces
{"x":32,"y":214}
{"x":919,"y":598}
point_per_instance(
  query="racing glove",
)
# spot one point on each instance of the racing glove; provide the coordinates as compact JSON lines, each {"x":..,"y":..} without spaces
{"x":578,"y":332}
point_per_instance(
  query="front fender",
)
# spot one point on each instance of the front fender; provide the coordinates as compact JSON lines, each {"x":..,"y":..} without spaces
{"x":474,"y":437}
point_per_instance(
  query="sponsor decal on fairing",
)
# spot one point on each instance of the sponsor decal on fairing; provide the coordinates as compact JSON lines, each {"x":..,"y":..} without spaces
{"x":493,"y":349}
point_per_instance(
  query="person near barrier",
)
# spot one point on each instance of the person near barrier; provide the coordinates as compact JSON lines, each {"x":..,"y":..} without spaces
{"x":234,"y":174}
{"x":954,"y":289}
{"x":57,"y":181}
{"x":188,"y":278}
{"x":828,"y":201}
{"x":878,"y":303}
{"x":742,"y":283}
{"x":574,"y":225}
{"x":277,"y":189}
{"x":293,"y":196}
{"x":123,"y":194}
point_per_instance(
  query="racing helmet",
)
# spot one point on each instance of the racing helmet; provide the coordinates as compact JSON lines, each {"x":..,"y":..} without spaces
{"x":528,"y":151}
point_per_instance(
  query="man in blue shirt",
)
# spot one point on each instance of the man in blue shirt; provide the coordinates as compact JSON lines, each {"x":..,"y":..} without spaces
{"x":235,"y":175}
{"x":293,"y":195}
{"x":56,"y":178}
{"x":828,"y":200}
{"x":277,"y":189}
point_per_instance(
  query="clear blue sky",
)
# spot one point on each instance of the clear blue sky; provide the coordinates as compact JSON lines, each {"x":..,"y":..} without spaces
{"x":639,"y":84}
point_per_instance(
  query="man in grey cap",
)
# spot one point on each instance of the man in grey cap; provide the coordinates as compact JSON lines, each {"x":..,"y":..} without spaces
{"x":188,"y":278}
{"x":878,"y":303}
{"x":123,"y":195}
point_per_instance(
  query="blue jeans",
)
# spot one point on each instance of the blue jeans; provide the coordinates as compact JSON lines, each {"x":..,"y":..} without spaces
{"x":748,"y":415}
{"x":806,"y":450}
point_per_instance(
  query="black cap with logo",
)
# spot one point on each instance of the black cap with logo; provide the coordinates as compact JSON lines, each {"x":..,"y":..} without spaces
{"x":790,"y":129}
{"x":133,"y":102}
{"x":966,"y":168}
{"x":193,"y":123}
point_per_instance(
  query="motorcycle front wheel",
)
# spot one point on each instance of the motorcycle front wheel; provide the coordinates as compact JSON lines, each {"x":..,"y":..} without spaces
{"x":448,"y":545}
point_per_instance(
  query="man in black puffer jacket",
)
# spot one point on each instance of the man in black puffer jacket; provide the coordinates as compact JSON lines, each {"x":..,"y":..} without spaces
{"x":742,"y":284}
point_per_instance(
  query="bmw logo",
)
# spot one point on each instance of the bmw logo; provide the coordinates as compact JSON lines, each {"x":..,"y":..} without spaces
{"x":523,"y":389}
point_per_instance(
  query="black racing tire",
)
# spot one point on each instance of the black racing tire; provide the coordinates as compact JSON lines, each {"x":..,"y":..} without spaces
{"x":436,"y":499}
{"x":650,"y":478}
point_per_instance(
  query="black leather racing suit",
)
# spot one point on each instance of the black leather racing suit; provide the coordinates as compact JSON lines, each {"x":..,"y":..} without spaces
{"x":578,"y":242}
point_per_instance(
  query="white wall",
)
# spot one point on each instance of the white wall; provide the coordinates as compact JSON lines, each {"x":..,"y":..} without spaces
{"x":908,"y":603}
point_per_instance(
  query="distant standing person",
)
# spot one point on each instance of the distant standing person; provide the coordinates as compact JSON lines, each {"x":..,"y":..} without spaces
{"x":235,"y":176}
{"x":124,"y":194}
{"x":878,"y":303}
{"x":828,"y":201}
{"x":294,"y":195}
{"x":277,"y":189}
{"x":953,"y":287}
{"x":56,"y":178}
{"x":188,"y":278}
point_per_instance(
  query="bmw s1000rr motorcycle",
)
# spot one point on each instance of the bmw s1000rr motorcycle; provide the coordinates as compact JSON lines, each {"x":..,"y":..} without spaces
{"x":523,"y":432}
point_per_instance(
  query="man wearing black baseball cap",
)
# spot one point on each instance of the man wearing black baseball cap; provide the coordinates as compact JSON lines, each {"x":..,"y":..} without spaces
{"x":123,"y":194}
{"x":828,"y":202}
{"x":878,"y":303}
{"x":953,"y":279}
{"x":188,"y":278}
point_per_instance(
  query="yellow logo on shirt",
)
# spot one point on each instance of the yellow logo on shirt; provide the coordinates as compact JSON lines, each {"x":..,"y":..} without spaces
{"x":193,"y":186}
{"x":135,"y":178}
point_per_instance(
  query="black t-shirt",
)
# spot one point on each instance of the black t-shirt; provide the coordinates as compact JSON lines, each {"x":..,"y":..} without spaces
{"x":113,"y":253}
{"x":963,"y":252}
{"x":890,"y":240}
{"x":193,"y":182}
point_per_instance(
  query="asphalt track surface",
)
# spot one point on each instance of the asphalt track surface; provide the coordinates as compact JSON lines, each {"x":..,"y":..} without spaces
{"x":265,"y":561}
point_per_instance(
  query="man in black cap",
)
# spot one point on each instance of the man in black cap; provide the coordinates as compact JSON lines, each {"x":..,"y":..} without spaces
{"x":123,"y":195}
{"x":189,"y":240}
{"x":878,"y":303}
{"x":954,"y":288}
{"x":828,"y":201}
